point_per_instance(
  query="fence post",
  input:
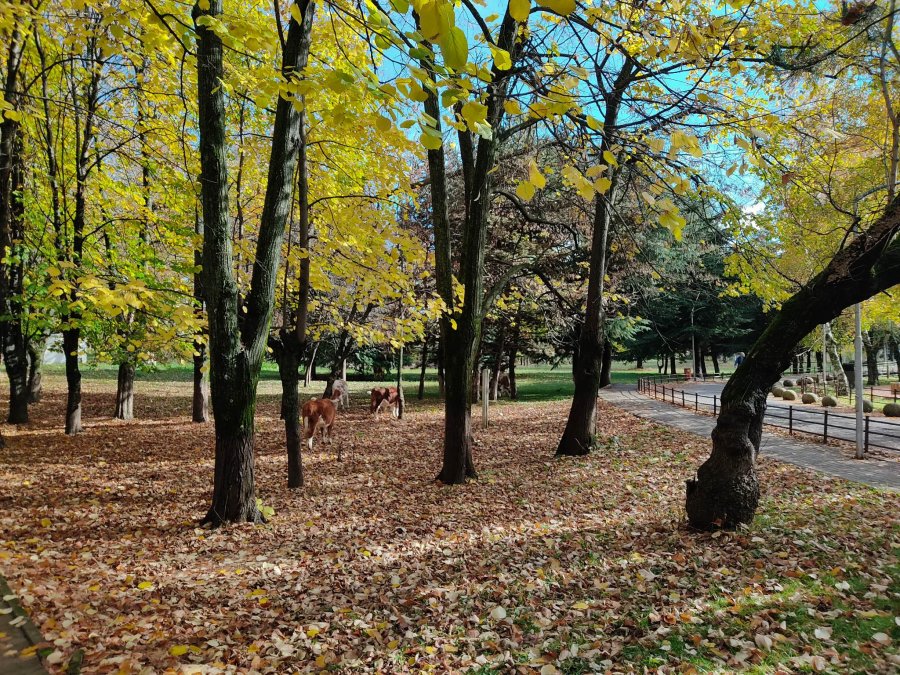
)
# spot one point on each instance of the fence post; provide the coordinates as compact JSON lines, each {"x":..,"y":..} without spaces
{"x":825,"y":428}
{"x":682,"y":398}
{"x":714,"y":405}
{"x":696,"y":401}
{"x":866,"y":444}
{"x":791,"y":419}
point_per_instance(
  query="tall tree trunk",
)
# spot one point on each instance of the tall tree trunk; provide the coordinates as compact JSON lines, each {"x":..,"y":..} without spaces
{"x":460,"y":343}
{"x":200,"y":401}
{"x":578,"y":436}
{"x":726,"y":490}
{"x":423,"y":367}
{"x":441,"y":380}
{"x":236,"y":351}
{"x":71,"y":337}
{"x":458,"y":464}
{"x":289,"y":372}
{"x":871,"y":359}
{"x":639,"y":364}
{"x":715,"y":360}
{"x":606,"y":365}
{"x":701,"y":354}
{"x":841,"y":383}
{"x":511,"y":368}
{"x":12,"y":182}
{"x":401,"y":402}
{"x":672,"y":365}
{"x":499,"y":352}
{"x":125,"y":391}
{"x":895,"y":347}
{"x":36,"y":348}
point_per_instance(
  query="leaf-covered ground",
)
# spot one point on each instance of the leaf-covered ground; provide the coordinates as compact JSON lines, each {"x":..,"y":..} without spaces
{"x":540,"y":566}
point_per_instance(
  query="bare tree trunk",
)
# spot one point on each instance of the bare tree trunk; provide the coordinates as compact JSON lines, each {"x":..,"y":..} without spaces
{"x":125,"y":391}
{"x":71,"y":337}
{"x":498,"y":361}
{"x":423,"y":367}
{"x":606,"y":365}
{"x":871,"y":359}
{"x":36,"y":349}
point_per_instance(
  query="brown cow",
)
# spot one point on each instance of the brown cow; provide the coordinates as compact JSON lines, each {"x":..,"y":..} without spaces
{"x":318,"y":414}
{"x":383,"y":397}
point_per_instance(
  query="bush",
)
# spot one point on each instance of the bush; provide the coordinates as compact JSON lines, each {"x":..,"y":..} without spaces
{"x":829,"y":401}
{"x":809,"y":398}
{"x":867,"y":406}
{"x":805,"y":381}
{"x":892,"y":409}
{"x":777,"y":391}
{"x":789,"y":383}
{"x":789,"y":395}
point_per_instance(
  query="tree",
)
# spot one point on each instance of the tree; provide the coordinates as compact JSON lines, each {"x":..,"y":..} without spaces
{"x":237,"y":343}
{"x":726,"y":489}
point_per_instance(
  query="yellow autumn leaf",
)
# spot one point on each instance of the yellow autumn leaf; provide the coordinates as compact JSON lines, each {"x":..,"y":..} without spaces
{"x":455,"y":48}
{"x":501,"y":58}
{"x":434,"y":20}
{"x":512,"y":107}
{"x":602,"y":184}
{"x":594,"y":124}
{"x":474,"y":112}
{"x":382,"y":123}
{"x":561,"y":7}
{"x":610,"y":158}
{"x":431,"y":141}
{"x":145,"y":585}
{"x":535,"y":176}
{"x":580,"y":605}
{"x":525,"y":190}
{"x":178,"y":650}
{"x":519,"y":9}
{"x":46,"y":522}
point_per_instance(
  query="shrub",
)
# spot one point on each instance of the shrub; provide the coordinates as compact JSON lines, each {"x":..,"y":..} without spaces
{"x":805,"y":381}
{"x":829,"y":401}
{"x":789,"y":383}
{"x":809,"y":398}
{"x":867,"y":406}
{"x":777,"y":391}
{"x":892,"y":409}
{"x":789,"y":395}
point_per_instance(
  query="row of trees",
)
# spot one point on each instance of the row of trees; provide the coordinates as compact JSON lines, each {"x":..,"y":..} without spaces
{"x":242,"y":182}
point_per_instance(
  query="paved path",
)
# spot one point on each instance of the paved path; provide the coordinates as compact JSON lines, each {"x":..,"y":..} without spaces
{"x":884,"y":432}
{"x":816,"y":456}
{"x":18,"y":636}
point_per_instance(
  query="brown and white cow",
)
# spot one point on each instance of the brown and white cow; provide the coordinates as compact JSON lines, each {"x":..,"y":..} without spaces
{"x":340,"y":394}
{"x":318,"y":414}
{"x":383,"y":397}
